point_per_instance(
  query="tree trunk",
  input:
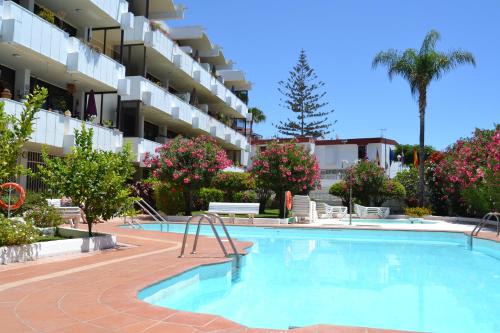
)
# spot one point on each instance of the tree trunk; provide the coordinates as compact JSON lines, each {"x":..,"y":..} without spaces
{"x":422,"y":103}
{"x":187,"y":203}
{"x":281,"y":200}
{"x":90,"y":222}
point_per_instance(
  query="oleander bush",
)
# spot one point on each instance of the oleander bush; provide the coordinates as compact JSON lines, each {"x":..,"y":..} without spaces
{"x":188,"y":165}
{"x":285,"y":166}
{"x":417,"y":211}
{"x":468,"y":174}
{"x":16,"y":233}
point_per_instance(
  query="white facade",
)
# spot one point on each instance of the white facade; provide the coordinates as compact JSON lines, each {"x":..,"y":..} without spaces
{"x":150,"y":82}
{"x":334,"y":156}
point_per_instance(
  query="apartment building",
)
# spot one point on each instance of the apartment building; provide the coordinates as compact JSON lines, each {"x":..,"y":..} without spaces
{"x":149,"y":82}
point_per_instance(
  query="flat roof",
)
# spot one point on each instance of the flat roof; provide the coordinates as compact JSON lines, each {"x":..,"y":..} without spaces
{"x":320,"y":142}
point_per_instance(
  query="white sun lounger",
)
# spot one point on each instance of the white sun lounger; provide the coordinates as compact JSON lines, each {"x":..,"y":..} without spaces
{"x":304,"y":209}
{"x":329,"y":212}
{"x":362,"y":211}
{"x":71,"y":214}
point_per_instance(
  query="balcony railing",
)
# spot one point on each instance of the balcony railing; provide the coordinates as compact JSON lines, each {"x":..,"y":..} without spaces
{"x":25,"y":28}
{"x":140,"y":147}
{"x":157,"y":40}
{"x":56,"y":130}
{"x":28,"y":30}
{"x":113,"y":8}
{"x":157,"y":97}
{"x":85,"y":60}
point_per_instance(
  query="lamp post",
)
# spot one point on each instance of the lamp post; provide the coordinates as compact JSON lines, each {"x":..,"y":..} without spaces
{"x":350,"y":192}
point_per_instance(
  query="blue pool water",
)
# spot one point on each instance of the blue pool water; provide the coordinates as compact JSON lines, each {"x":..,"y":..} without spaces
{"x":418,"y":281}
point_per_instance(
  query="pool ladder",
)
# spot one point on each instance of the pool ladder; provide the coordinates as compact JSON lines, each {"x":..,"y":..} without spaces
{"x":151,"y":212}
{"x":486,"y":219}
{"x":211,"y":219}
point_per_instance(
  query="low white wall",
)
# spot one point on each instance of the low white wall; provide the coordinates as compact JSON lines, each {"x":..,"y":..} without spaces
{"x":21,"y":253}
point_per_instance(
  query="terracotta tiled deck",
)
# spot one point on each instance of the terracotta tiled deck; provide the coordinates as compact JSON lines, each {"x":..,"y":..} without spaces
{"x":97,"y":292}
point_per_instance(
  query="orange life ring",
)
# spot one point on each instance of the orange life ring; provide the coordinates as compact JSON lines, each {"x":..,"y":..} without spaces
{"x":22,"y":196}
{"x":288,"y":200}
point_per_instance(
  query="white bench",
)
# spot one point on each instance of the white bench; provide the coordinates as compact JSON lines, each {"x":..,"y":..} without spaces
{"x":71,"y":214}
{"x":233,"y":208}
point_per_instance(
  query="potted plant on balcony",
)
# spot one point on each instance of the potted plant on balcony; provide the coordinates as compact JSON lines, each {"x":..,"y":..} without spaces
{"x":47,"y":15}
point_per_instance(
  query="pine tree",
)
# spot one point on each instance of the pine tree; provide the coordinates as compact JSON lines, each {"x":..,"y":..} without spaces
{"x":302,"y":95}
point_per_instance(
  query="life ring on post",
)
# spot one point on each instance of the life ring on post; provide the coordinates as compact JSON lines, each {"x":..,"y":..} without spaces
{"x":288,"y":200}
{"x":21,"y":193}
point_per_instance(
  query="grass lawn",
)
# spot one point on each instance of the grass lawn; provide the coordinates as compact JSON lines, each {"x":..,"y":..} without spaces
{"x":48,"y":238}
{"x":269,"y":213}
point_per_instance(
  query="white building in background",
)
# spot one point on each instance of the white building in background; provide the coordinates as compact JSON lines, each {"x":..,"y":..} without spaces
{"x":335,"y":156}
{"x":151,"y":82}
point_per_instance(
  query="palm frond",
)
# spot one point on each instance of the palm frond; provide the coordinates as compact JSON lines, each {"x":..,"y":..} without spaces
{"x":459,"y":57}
{"x":387,"y":58}
{"x":429,"y":43}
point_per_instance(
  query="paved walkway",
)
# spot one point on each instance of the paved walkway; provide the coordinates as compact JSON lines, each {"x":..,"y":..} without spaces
{"x":97,"y":292}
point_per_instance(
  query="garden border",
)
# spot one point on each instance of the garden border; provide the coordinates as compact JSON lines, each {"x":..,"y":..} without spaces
{"x":79,"y":244}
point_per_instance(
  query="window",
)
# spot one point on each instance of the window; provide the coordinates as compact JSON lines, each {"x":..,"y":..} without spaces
{"x":7,"y":78}
{"x":362,"y":153}
{"x":151,"y":131}
{"x":33,"y":182}
{"x":58,"y":99}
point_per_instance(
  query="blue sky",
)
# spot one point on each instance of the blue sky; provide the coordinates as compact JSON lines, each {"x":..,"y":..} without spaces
{"x":341,"y":38}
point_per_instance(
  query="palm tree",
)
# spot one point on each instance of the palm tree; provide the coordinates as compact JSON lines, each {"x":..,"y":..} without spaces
{"x":258,"y":117}
{"x":419,"y":68}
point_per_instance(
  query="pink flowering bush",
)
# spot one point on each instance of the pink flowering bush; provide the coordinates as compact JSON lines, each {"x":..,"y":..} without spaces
{"x":470,"y":169}
{"x":188,"y":164}
{"x":286,"y":166}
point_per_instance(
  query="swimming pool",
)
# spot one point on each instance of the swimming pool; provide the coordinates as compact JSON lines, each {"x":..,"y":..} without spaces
{"x":418,"y":281}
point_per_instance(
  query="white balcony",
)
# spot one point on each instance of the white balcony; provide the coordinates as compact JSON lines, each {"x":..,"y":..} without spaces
{"x":85,"y":61}
{"x":46,"y":49}
{"x":89,"y":13}
{"x":156,"y":97}
{"x":165,"y":48}
{"x":140,"y":147}
{"x":28,"y":30}
{"x":113,"y":8}
{"x":57,"y":131}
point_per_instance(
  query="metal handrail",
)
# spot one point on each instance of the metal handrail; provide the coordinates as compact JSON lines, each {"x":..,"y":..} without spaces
{"x":486,"y":219}
{"x":210,"y":218}
{"x":151,"y":212}
{"x":218,"y":218}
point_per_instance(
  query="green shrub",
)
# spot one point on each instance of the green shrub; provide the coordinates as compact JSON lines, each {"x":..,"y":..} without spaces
{"x":16,"y":233}
{"x":391,"y":189}
{"x":409,"y":179}
{"x":44,"y":216}
{"x":417,"y":211}
{"x":245,"y":196}
{"x":340,"y":190}
{"x":206,"y":196}
{"x":233,"y":182}
{"x":168,"y":199}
